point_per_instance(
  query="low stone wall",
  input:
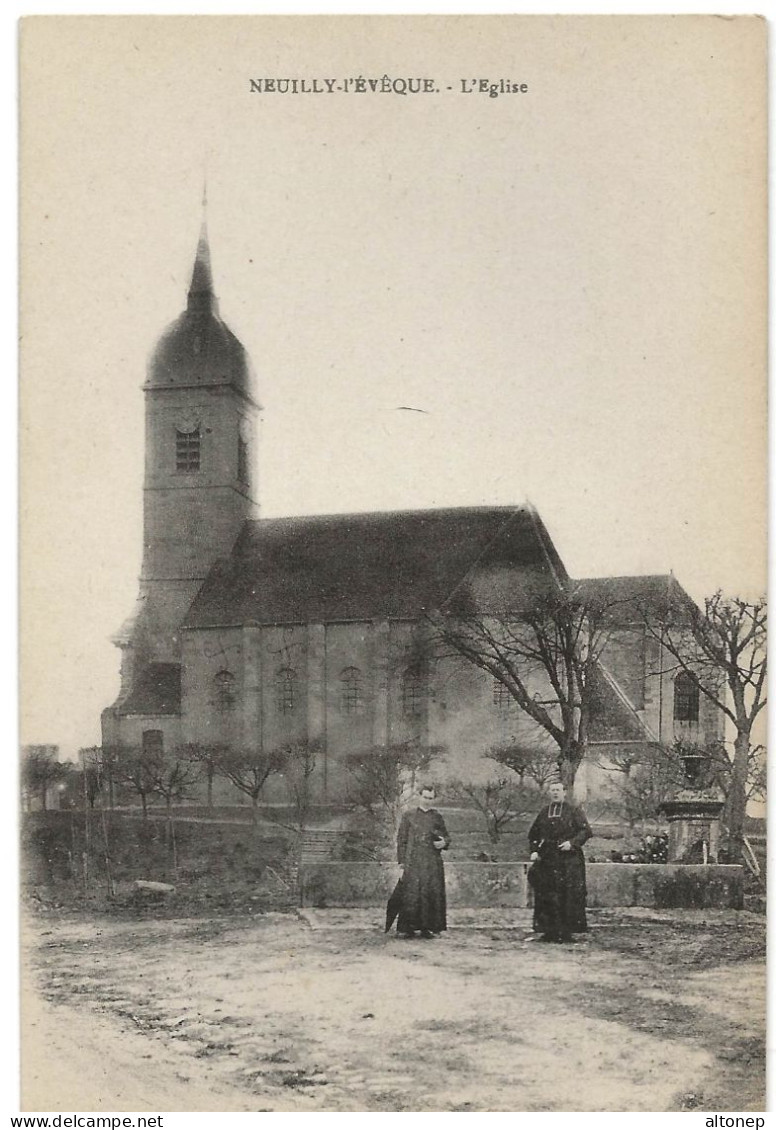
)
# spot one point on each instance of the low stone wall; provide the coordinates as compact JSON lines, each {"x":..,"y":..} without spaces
{"x":665,"y":885}
{"x":506,"y":885}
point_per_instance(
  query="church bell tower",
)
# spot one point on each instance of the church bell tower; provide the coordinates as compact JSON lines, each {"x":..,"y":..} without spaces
{"x":201,"y":413}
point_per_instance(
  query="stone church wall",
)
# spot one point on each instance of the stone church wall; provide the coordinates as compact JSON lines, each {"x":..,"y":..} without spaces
{"x":129,"y":733}
{"x":345,"y":685}
{"x":208,"y":715}
{"x":349,"y":714}
{"x":282,"y":685}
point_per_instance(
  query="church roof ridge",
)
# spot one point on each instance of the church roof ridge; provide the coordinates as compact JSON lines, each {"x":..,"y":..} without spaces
{"x":668,"y":577}
{"x":371,"y":565}
{"x":502,"y":508}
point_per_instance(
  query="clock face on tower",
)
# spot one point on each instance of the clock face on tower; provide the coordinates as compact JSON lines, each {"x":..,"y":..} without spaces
{"x":188,"y":419}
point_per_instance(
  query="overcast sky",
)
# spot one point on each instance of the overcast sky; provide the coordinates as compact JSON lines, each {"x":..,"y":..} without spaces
{"x":569,"y":282}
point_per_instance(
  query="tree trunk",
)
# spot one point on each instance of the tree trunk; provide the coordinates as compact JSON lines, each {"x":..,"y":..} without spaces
{"x":568,"y":763}
{"x":210,"y":775}
{"x":736,"y":798}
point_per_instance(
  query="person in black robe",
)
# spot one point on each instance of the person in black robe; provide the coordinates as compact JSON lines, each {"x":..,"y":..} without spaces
{"x":422,"y":839}
{"x":557,"y":874}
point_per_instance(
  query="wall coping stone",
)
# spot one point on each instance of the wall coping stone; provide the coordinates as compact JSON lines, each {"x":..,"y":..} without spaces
{"x":471,"y":884}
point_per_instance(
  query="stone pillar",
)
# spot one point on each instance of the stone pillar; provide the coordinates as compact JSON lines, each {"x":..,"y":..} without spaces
{"x":436,"y":704}
{"x":252,"y":705}
{"x":316,"y":694}
{"x":380,"y":633}
{"x":653,"y":686}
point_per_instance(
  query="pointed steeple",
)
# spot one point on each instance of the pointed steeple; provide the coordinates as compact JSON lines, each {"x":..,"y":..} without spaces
{"x":201,"y":296}
{"x":198,"y":349}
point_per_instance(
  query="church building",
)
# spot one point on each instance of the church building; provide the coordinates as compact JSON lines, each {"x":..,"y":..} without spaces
{"x":258,"y":633}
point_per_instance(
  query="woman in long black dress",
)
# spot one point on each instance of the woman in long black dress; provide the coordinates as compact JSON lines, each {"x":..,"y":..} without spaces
{"x":558,"y":872}
{"x":422,"y":839}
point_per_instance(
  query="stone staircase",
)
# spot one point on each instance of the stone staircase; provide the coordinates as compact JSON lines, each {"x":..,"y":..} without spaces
{"x":319,"y":844}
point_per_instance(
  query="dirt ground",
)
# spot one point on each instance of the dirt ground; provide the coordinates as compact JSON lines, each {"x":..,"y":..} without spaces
{"x":321,"y":1011}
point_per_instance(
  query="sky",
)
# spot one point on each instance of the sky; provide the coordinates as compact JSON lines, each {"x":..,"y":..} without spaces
{"x":569,"y":282}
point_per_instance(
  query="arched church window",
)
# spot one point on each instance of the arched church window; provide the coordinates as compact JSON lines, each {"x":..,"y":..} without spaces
{"x":502,"y":699}
{"x":187,"y":450}
{"x":687,"y":698}
{"x":352,"y":691}
{"x":414,"y":692}
{"x":285,"y":690}
{"x":225,"y":695}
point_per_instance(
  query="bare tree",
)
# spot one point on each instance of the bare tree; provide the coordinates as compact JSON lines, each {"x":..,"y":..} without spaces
{"x":299,"y":762}
{"x":534,"y":762}
{"x":249,"y":769}
{"x":208,"y":757}
{"x":89,"y":774}
{"x":136,"y":769}
{"x":650,"y":774}
{"x":93,"y":773}
{"x":172,"y":778}
{"x":40,"y":770}
{"x":722,"y":647}
{"x":722,"y":758}
{"x":384,"y":777}
{"x":104,"y":759}
{"x":547,"y":656}
{"x":757,"y":778}
{"x":501,"y":800}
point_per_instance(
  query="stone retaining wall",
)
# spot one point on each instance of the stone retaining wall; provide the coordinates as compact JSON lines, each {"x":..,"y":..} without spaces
{"x":505,"y":884}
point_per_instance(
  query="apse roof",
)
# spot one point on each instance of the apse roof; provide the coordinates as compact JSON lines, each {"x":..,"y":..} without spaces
{"x":629,"y":599}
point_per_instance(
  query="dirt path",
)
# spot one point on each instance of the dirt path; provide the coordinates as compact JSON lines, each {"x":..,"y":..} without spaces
{"x":275,"y":1013}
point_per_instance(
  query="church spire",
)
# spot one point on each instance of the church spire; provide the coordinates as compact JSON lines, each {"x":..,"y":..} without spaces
{"x":201,"y":296}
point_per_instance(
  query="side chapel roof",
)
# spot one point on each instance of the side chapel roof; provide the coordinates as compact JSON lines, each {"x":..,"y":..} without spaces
{"x":157,"y":691}
{"x":628,"y":600}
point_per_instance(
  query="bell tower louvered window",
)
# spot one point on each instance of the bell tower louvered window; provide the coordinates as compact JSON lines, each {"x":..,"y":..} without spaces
{"x":187,"y":450}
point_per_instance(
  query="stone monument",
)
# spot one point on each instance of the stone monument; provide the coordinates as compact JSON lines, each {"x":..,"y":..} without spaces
{"x":694,"y":814}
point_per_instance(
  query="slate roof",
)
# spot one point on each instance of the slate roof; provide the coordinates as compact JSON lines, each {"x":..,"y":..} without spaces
{"x":626,"y":599}
{"x":394,"y":565}
{"x":613,"y":717}
{"x":198,"y":348}
{"x":157,"y":690}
